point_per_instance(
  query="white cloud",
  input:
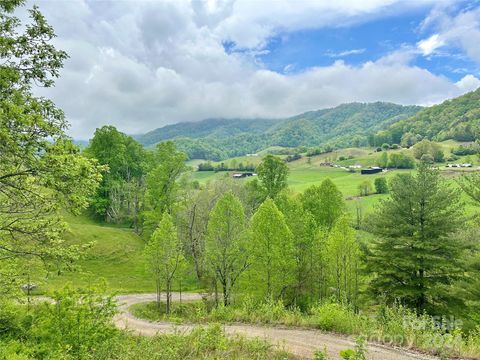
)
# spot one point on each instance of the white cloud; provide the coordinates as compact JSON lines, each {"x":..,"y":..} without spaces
{"x":345,"y":53}
{"x":459,"y":31}
{"x":428,"y":46}
{"x":141,"y":65}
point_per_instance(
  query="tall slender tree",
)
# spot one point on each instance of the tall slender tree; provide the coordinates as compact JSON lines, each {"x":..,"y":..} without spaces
{"x":164,"y":256}
{"x":272,"y":251}
{"x":226,"y":253}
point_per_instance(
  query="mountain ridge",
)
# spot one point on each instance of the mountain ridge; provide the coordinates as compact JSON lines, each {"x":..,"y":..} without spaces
{"x":218,"y":138}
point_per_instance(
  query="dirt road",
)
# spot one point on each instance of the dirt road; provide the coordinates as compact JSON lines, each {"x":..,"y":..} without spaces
{"x":300,"y":342}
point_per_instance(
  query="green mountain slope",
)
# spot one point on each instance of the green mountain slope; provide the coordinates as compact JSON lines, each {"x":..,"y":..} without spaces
{"x":341,"y":126}
{"x":457,"y":119}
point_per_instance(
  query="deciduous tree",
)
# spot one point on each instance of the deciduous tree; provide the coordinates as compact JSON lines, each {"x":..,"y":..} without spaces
{"x":164,"y":255}
{"x":226,"y":253}
{"x":272,"y":251}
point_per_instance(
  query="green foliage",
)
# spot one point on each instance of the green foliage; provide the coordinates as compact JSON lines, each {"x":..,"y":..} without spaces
{"x":381,"y":185}
{"x":325,"y":203}
{"x":167,"y":165}
{"x":365,"y":188}
{"x":273,"y":173}
{"x":383,"y":160}
{"x":225,"y":248}
{"x":415,"y":257}
{"x":342,"y":259}
{"x":121,"y":193}
{"x":428,"y":151}
{"x":271,"y":249}
{"x":218,"y":139}
{"x":41,"y":171}
{"x":401,"y":161}
{"x":164,"y":256}
{"x":74,"y":326}
{"x":360,"y":352}
{"x":457,"y":119}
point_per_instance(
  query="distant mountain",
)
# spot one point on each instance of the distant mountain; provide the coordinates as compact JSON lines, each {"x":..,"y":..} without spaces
{"x":457,"y":119}
{"x":340,"y":126}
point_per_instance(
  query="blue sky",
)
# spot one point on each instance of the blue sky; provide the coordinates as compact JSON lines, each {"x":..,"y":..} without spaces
{"x":143,"y":64}
{"x":369,"y":40}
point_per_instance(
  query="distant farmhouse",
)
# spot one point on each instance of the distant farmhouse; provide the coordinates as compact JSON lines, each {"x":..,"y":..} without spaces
{"x":372,"y":170}
{"x":243,"y":175}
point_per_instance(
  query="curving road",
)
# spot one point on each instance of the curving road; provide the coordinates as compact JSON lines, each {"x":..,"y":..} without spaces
{"x":300,"y":342}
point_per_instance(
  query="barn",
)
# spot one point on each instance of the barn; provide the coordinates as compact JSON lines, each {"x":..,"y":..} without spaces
{"x":372,"y":170}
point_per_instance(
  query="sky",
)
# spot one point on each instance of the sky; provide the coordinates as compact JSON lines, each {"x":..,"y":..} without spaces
{"x":140,"y":65}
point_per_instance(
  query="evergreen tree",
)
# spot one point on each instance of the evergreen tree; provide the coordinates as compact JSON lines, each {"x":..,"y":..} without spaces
{"x":272,"y":251}
{"x":225,"y":246}
{"x":415,"y":258}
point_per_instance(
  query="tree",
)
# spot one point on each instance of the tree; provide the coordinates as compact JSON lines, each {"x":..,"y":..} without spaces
{"x":324,"y":202}
{"x":164,"y":256}
{"x":401,"y":161}
{"x":166,"y":166}
{"x":415,"y":258}
{"x":41,"y":171}
{"x":426,"y":149}
{"x":383,"y":159}
{"x":271,"y":249}
{"x":342,"y":256}
{"x":365,"y":188}
{"x":303,"y":228}
{"x":381,"y":186}
{"x":225,"y":247}
{"x":120,"y":195}
{"x":273,"y":173}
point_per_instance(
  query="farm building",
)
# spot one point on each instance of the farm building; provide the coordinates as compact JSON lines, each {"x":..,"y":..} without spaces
{"x":372,"y":170}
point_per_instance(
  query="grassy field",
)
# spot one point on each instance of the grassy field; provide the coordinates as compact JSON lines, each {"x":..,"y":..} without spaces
{"x":116,"y":256}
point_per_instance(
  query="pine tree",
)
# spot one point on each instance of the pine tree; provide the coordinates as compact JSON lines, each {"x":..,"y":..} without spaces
{"x":415,"y":258}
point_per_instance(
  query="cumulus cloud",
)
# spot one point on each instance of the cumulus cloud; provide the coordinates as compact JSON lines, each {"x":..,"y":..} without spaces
{"x":141,"y":65}
{"x":461,"y":30}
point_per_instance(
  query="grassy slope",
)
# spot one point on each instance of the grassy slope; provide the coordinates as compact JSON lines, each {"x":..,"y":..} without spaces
{"x":115,"y":256}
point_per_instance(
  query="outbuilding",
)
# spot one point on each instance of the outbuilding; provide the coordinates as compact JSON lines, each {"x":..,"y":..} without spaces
{"x":372,"y":170}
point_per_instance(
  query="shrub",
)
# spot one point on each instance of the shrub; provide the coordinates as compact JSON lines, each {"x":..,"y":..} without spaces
{"x":365,"y":188}
{"x":381,"y":186}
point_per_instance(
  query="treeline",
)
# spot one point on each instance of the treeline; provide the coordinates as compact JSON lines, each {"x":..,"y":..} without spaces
{"x":457,"y":119}
{"x":138,"y":182}
{"x":229,"y":166}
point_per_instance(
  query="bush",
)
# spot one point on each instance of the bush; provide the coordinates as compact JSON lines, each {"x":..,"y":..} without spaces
{"x":381,"y":186}
{"x":365,"y":188}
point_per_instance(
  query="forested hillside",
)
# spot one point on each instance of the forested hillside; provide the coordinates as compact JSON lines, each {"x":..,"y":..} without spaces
{"x":457,"y":119}
{"x":344,"y":125}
